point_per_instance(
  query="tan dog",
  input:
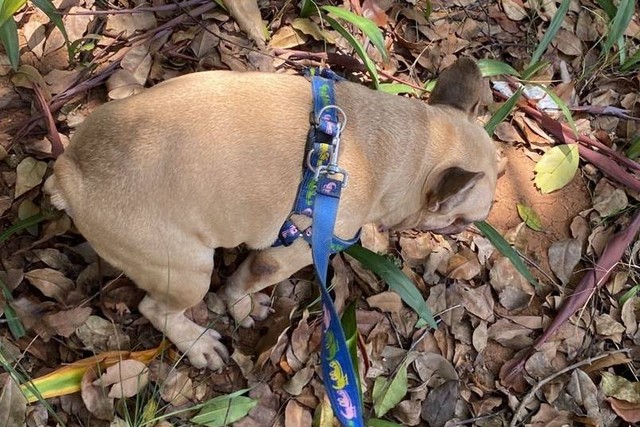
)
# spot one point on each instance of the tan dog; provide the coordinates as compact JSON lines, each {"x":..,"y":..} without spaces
{"x":157,"y":181}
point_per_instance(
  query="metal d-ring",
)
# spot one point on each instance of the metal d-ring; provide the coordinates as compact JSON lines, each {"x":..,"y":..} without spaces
{"x":342,"y":125}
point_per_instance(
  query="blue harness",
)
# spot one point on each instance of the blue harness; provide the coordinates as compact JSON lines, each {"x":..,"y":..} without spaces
{"x":318,"y":198}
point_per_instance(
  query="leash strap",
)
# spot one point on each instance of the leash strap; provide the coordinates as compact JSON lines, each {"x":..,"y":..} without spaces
{"x":338,"y":372}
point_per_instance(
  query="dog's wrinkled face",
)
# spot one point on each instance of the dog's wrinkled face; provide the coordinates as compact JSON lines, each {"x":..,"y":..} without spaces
{"x":458,"y":194}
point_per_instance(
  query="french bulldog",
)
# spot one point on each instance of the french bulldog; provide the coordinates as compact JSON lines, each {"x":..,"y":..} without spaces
{"x":156,"y":182}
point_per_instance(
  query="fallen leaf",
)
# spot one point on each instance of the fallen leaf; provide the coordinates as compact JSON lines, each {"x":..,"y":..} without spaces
{"x":557,"y":167}
{"x":126,"y":378}
{"x":13,"y":405}
{"x":387,"y":302}
{"x":137,"y":61}
{"x":29,"y":175}
{"x":286,"y":38}
{"x":95,"y":396}
{"x":177,"y":388}
{"x":620,"y":388}
{"x":608,"y":200}
{"x":51,"y":283}
{"x":514,"y":9}
{"x":247,"y":15}
{"x":123,"y":84}
{"x":529,"y":216}
{"x":388,"y":392}
{"x":295,"y":415}
{"x":99,"y":335}
{"x":564,"y":255}
{"x":440,"y":405}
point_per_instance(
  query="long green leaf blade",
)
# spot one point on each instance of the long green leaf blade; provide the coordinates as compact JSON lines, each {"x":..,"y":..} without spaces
{"x":505,"y":249}
{"x":9,"y":39}
{"x":502,"y":113}
{"x":368,"y":63}
{"x":554,"y":26}
{"x":396,"y":279}
{"x":491,"y":67}
{"x":366,"y":25}
{"x":8,"y":8}
{"x":15,"y":325}
{"x":21,"y":225}
{"x":619,"y":24}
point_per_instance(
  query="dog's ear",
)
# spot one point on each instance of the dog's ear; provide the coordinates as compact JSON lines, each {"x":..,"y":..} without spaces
{"x":459,"y":86}
{"x":452,"y":186}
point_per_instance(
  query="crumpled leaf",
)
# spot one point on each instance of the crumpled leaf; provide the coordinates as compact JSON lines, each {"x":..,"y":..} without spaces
{"x":177,"y":388}
{"x":98,"y":335}
{"x":621,"y":388}
{"x":440,"y":405}
{"x":126,"y":378}
{"x":286,"y":38}
{"x":557,"y":167}
{"x":50,"y":282}
{"x":608,"y":200}
{"x":29,"y":175}
{"x":296,"y":415}
{"x":247,"y":15}
{"x":13,"y":405}
{"x":94,"y":396}
{"x":563,"y":258}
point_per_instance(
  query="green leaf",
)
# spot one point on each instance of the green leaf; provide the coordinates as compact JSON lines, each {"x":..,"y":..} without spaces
{"x":634,"y":149}
{"x":502,"y":113}
{"x":366,"y":25}
{"x":8,"y":8}
{"x":224,"y":410}
{"x":428,"y":8}
{"x":529,"y":216}
{"x":557,"y":167}
{"x":13,"y":322}
{"x":491,"y":67}
{"x":9,"y":39}
{"x":554,"y":26}
{"x":631,"y":63}
{"x":619,"y":23}
{"x":505,"y":249}
{"x":563,"y":107}
{"x":308,"y":8}
{"x":396,"y":279}
{"x":368,"y":63}
{"x":21,"y":225}
{"x":533,"y":69}
{"x":350,"y":328}
{"x":387,"y":393}
{"x":396,"y":88}
{"x":629,"y":294}
{"x":608,"y":7}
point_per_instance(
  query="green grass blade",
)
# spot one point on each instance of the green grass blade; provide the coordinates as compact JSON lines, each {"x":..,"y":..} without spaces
{"x":505,"y":249}
{"x":396,"y":279}
{"x":631,"y":63}
{"x":21,"y":225}
{"x":619,"y":23}
{"x":608,"y":7}
{"x":396,"y":88}
{"x":533,"y":69}
{"x":563,"y":107}
{"x":368,"y":63}
{"x":554,"y":26}
{"x":491,"y":67}
{"x":8,"y":8}
{"x":502,"y":113}
{"x":366,"y":25}
{"x":634,"y":148}
{"x":350,"y":328}
{"x":15,"y":325}
{"x":9,"y":39}
{"x":307,"y":8}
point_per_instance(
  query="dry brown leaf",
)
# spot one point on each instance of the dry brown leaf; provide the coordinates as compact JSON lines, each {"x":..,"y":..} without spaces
{"x":121,"y":24}
{"x":408,"y":412}
{"x":65,"y":322}
{"x":310,"y":28}
{"x":477,"y":301}
{"x":608,"y":200}
{"x":35,"y":33}
{"x":563,"y":258}
{"x":126,"y":378}
{"x":440,"y":405}
{"x":609,"y":328}
{"x":507,"y":132}
{"x":298,"y":381}
{"x":585,"y":393}
{"x":510,"y":334}
{"x":51,"y":283}
{"x":123,"y":84}
{"x":388,"y":302}
{"x":59,"y":80}
{"x":371,"y":9}
{"x":286,"y":38}
{"x":514,"y":9}
{"x":177,"y":388}
{"x":514,"y":291}
{"x":628,"y":411}
{"x":548,"y":416}
{"x":247,"y":15}
{"x":463,"y":266}
{"x":296,"y":415}
{"x":95,"y":396}
{"x":100,"y":335}
{"x":568,"y":43}
{"x":76,"y":25}
{"x":480,"y":336}
{"x":374,"y":239}
{"x":204,"y":42}
{"x":433,"y":369}
{"x":13,"y":405}
{"x":138,"y":62}
{"x":29,"y":175}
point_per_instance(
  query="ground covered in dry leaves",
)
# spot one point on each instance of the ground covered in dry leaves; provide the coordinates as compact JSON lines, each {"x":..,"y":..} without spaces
{"x":462,"y":373}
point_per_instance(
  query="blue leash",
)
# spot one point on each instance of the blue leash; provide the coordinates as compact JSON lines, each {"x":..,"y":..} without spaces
{"x":318,"y":197}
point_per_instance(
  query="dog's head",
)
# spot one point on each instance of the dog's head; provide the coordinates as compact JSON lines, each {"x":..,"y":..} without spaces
{"x":459,"y":190}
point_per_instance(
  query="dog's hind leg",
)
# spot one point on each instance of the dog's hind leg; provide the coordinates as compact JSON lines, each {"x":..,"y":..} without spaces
{"x":260,"y":270}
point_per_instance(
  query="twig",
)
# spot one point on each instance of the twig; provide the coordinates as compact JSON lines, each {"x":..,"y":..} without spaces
{"x":525,"y":400}
{"x":162,"y":8}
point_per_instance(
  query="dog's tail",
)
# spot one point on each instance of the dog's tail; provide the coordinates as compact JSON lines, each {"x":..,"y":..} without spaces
{"x":59,"y":185}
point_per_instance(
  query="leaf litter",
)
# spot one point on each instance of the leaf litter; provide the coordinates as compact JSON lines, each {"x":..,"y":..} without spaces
{"x":500,"y":340}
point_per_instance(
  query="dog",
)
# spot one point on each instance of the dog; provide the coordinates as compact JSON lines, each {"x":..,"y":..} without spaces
{"x":156,"y":182}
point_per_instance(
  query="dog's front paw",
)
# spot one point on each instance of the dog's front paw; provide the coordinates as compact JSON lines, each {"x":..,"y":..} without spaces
{"x":247,"y":309}
{"x":205,"y":350}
